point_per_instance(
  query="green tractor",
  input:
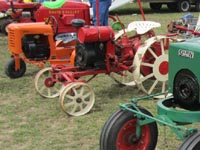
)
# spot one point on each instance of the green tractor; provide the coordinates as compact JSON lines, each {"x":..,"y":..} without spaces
{"x":184,"y":76}
{"x":134,"y":127}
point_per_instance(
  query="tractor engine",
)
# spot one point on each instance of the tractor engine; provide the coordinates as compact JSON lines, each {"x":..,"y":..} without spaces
{"x":36,"y":46}
{"x":92,"y":46}
{"x":184,"y":75}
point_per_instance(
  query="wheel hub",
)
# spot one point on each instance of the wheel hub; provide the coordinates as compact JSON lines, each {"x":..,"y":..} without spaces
{"x":160,"y":69}
{"x":78,"y":100}
{"x":48,"y":82}
{"x":185,"y":91}
{"x":163,"y":68}
{"x":131,"y":139}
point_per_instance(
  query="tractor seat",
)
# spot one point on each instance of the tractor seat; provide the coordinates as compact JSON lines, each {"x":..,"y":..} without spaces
{"x":53,"y":4}
{"x":142,"y":27}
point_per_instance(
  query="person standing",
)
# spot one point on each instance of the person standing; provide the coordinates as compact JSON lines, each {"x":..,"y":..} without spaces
{"x":103,"y":11}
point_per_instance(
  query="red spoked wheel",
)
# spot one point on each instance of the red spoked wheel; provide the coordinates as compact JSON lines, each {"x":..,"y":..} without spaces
{"x":119,"y":132}
{"x":151,"y":63}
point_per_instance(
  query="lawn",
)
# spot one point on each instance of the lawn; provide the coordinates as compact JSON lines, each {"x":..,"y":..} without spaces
{"x":30,"y":122}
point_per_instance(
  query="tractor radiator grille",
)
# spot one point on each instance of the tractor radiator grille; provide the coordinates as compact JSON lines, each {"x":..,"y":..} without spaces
{"x":11,"y":38}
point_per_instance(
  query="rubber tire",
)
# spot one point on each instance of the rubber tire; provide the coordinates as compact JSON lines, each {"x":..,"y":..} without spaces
{"x":197,"y":6}
{"x":110,"y":130}
{"x":172,"y":6}
{"x":186,"y":90}
{"x":181,"y":3}
{"x":155,"y":6}
{"x":4,"y":25}
{"x":192,"y":142}
{"x":10,"y":69}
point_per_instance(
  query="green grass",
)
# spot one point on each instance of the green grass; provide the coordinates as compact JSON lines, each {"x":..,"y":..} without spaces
{"x":30,"y":122}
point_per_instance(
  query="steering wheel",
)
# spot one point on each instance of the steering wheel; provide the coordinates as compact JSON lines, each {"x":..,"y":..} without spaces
{"x":54,"y":23}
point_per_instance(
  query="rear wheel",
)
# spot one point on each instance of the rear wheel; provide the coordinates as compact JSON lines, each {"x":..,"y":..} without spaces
{"x":77,"y":98}
{"x":12,"y":72}
{"x":192,"y":142}
{"x":184,"y":6}
{"x":119,"y":132}
{"x":151,"y":65}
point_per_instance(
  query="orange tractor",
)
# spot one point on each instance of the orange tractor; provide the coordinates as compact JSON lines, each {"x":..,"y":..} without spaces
{"x":50,"y":41}
{"x":37,"y":46}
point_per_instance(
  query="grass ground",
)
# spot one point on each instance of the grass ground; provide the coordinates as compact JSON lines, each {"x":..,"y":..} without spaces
{"x":30,"y":122}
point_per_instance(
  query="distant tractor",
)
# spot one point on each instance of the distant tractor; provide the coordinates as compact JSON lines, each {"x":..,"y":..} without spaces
{"x":174,"y":5}
{"x":63,"y":11}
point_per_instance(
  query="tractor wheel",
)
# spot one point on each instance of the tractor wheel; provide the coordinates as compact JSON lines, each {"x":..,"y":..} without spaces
{"x":126,"y":79}
{"x":77,"y":98}
{"x":151,"y":65}
{"x":155,"y":6}
{"x":44,"y":84}
{"x":10,"y":69}
{"x":4,"y":27}
{"x":172,"y":6}
{"x":186,"y":90}
{"x":192,"y":142}
{"x":119,"y":132}
{"x":184,"y":5}
{"x":197,"y":6}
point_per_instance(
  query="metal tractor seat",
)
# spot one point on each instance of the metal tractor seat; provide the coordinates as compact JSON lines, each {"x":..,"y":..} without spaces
{"x":140,"y":27}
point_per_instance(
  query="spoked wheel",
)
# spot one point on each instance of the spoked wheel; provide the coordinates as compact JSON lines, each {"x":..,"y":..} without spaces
{"x":151,"y":62}
{"x":44,"y":84}
{"x":77,"y":98}
{"x":125,"y":79}
{"x":119,"y":132}
{"x":192,"y":142}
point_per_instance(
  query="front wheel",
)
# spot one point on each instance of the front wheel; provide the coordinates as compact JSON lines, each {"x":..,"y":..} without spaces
{"x":45,"y":85}
{"x":192,"y":142}
{"x":186,"y":90}
{"x":119,"y":132}
{"x":12,"y":72}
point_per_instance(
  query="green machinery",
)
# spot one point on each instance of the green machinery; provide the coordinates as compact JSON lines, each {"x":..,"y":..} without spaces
{"x":134,"y":127}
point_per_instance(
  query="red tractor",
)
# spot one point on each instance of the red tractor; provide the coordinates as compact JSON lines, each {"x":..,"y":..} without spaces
{"x":63,"y":11}
{"x":4,"y":6}
{"x":17,"y":12}
{"x":100,"y":51}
